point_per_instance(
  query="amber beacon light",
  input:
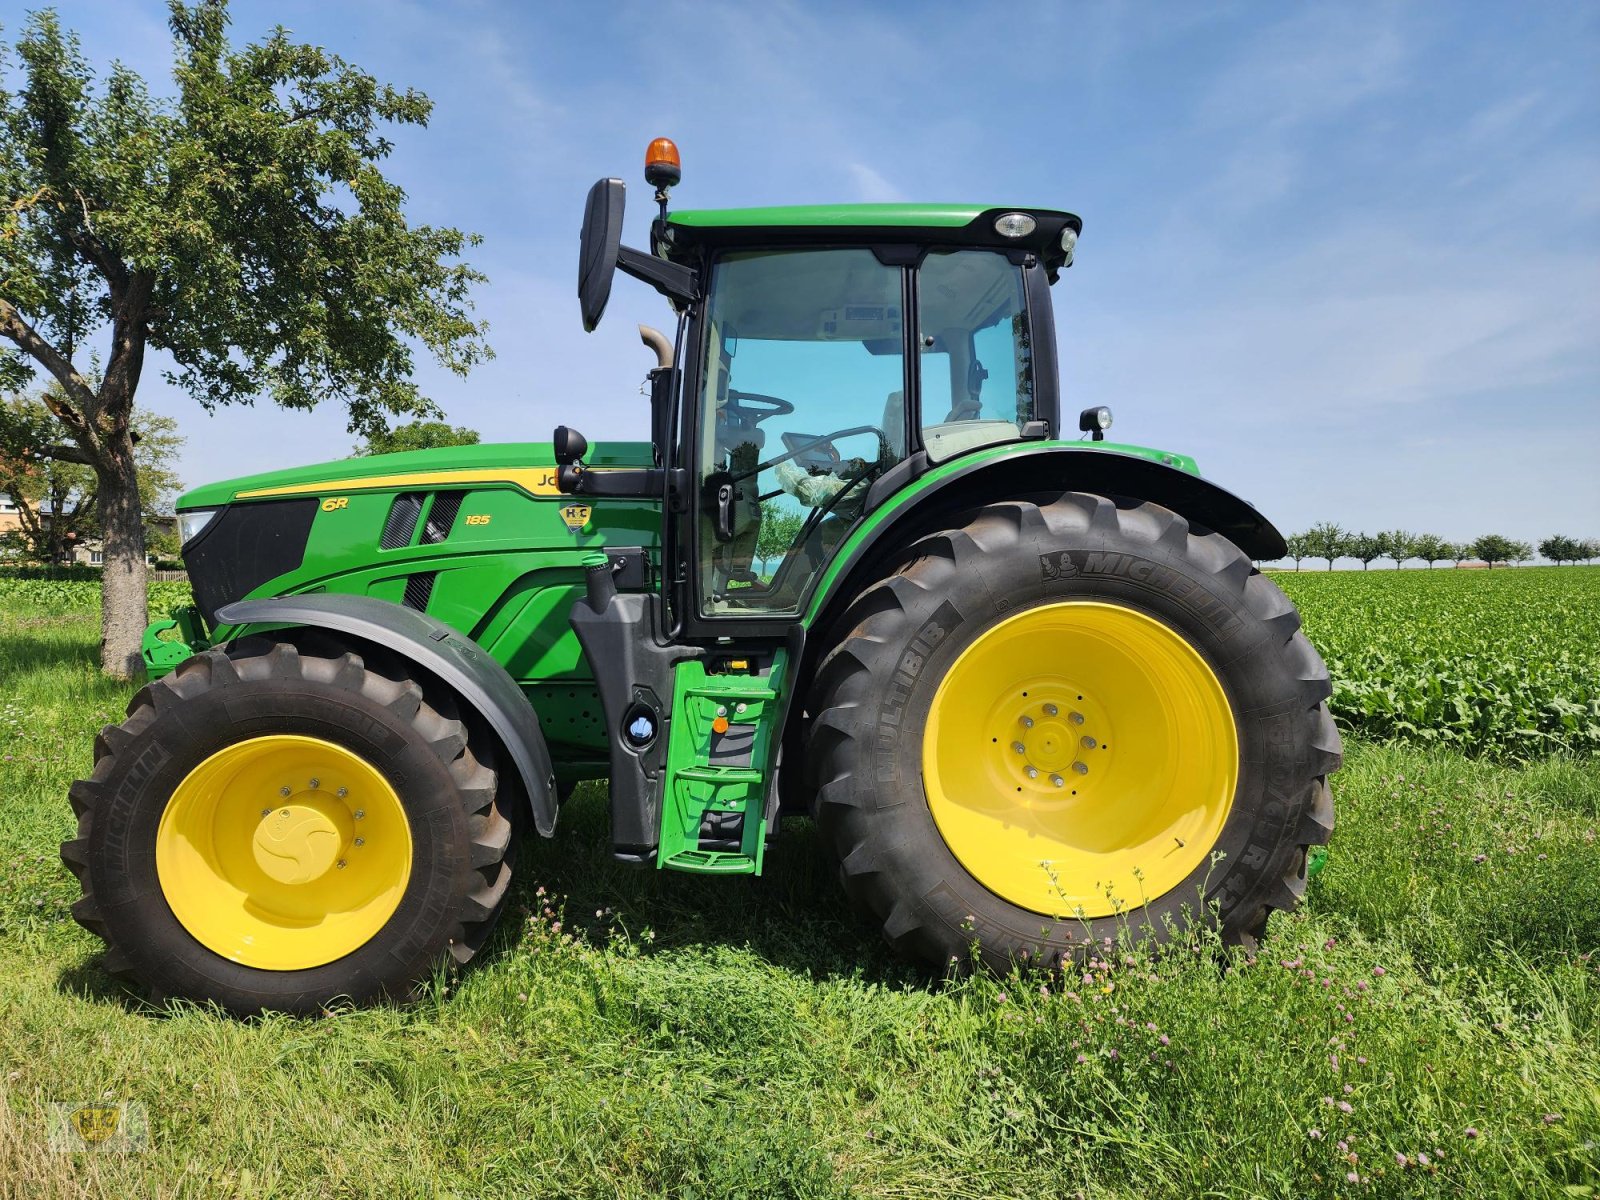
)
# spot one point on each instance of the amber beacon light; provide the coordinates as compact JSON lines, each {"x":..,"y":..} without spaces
{"x":662,"y":166}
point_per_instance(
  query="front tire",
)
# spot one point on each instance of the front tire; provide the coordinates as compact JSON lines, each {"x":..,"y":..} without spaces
{"x":272,"y":830}
{"x":1061,"y":720}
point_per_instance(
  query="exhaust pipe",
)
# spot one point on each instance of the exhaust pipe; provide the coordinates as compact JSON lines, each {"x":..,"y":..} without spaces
{"x":658,"y":342}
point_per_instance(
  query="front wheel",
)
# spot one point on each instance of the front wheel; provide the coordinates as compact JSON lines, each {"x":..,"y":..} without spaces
{"x":1060,"y":720}
{"x":272,"y":830}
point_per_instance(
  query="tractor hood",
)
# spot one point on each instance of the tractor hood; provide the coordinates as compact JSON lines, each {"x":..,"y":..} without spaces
{"x":527,"y":464}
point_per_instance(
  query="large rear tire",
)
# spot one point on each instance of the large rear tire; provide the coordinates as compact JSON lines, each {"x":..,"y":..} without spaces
{"x":1058,"y":721}
{"x":272,"y":830}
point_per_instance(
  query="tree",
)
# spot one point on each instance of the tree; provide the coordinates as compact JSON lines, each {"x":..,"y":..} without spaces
{"x":1364,"y":547}
{"x":1493,"y":548}
{"x":416,"y":435}
{"x":58,"y":501}
{"x":1430,"y":548}
{"x":1559,"y":549}
{"x":1399,"y":545}
{"x":243,"y":228}
{"x":1588,"y":549}
{"x":780,"y":525}
{"x":1299,"y":545}
{"x":1459,"y":552}
{"x":1326,"y":540}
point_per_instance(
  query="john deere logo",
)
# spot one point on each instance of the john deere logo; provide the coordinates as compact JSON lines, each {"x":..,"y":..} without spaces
{"x":95,"y":1125}
{"x":576,"y":516}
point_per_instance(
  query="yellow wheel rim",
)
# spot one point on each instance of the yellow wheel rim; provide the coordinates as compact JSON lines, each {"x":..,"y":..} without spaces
{"x":283,"y":852}
{"x":1080,"y":759}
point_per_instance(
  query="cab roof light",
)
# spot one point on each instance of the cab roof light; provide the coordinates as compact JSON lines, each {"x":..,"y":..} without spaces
{"x":1015,"y":225}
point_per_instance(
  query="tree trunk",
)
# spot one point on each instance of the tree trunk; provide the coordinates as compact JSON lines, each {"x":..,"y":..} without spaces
{"x":124,"y":602}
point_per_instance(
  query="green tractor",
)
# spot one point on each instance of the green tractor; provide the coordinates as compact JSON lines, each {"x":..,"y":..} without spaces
{"x":1031,"y":689}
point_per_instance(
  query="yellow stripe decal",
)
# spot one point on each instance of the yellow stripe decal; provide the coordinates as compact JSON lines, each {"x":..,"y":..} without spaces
{"x":536,"y":481}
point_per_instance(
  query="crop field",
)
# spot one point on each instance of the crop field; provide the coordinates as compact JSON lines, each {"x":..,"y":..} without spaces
{"x":1498,"y":663}
{"x":1426,"y":1025}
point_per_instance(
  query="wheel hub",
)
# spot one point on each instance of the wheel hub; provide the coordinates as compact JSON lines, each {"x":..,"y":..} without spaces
{"x":1048,"y":740}
{"x":303,"y":840}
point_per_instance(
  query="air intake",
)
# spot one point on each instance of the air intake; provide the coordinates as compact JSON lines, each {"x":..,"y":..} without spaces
{"x":441,"y":516}
{"x":402,"y":521}
{"x":419,"y":588}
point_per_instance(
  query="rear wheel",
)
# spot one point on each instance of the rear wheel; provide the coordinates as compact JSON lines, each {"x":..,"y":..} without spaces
{"x":273,"y":830}
{"x":1059,"y":720}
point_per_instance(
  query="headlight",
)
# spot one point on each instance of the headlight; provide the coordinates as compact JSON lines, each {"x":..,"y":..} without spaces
{"x":190,"y":524}
{"x":1069,"y":243}
{"x":1095,"y":421}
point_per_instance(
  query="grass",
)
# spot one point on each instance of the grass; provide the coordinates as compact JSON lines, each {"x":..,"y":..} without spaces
{"x":644,"y":1034}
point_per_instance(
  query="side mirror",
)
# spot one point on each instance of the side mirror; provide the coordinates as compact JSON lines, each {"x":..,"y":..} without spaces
{"x":598,"y":249}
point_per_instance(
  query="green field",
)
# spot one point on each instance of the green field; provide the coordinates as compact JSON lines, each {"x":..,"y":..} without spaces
{"x":642,"y":1034}
{"x":1498,"y":663}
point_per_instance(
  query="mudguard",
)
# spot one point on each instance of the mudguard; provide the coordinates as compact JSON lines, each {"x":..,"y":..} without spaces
{"x":457,"y":661}
{"x":920,"y":506}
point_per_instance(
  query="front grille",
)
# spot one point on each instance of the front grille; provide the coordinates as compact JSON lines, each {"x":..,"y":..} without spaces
{"x":244,"y":547}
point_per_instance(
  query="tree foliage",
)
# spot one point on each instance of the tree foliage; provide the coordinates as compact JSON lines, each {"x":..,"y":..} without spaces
{"x":1326,"y":540}
{"x":1299,"y":547}
{"x":1398,"y":544}
{"x":1364,"y":547}
{"x":58,"y":501}
{"x":1561,"y":549}
{"x":244,"y":228}
{"x":780,"y":525}
{"x":416,"y":435}
{"x":1493,"y":548}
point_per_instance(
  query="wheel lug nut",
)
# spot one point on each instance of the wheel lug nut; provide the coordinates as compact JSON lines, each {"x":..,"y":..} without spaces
{"x":1058,"y":781}
{"x":1027,"y":722}
{"x":361,"y":841}
{"x":266,"y":812}
{"x":342,"y":793}
{"x":1089,"y":743}
{"x":1033,"y":772}
{"x":1076,"y":718}
{"x":342,"y":864}
{"x":1050,"y":710}
{"x":1082,"y":768}
{"x":1019,"y":747}
{"x":360,"y":812}
{"x":316,"y":783}
{"x":284,"y":791}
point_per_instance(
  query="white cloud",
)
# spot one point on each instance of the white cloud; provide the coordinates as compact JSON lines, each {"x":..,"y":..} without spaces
{"x":871,"y":187}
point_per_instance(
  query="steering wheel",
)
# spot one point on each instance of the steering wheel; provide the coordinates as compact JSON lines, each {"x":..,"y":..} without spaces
{"x":767,"y":406}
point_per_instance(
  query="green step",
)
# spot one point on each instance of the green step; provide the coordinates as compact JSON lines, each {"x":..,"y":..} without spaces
{"x":709,"y":774}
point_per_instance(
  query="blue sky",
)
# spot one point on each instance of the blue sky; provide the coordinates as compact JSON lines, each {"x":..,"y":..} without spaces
{"x":1347,"y":255}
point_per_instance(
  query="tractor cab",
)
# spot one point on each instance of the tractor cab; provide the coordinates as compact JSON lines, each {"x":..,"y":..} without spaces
{"x":830,"y":355}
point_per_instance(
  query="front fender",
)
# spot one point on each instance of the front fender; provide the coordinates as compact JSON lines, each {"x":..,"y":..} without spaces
{"x":457,"y":661}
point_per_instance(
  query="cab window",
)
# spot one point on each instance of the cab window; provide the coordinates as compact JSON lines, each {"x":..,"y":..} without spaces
{"x":802,"y":406}
{"x":975,"y":359}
